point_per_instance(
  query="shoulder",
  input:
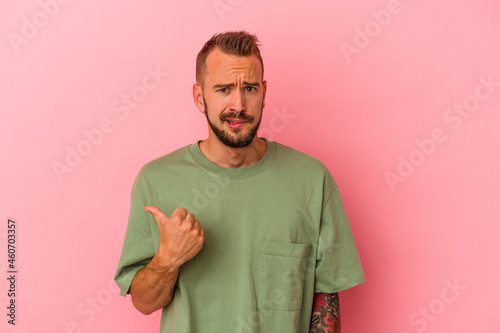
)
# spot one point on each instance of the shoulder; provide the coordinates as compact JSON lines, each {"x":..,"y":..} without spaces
{"x":164,"y":167}
{"x":303,"y":166}
{"x":160,"y":170}
{"x":169,"y":161}
{"x":299,"y":159}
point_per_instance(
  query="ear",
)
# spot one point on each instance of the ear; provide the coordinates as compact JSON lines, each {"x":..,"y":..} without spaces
{"x":198,"y":97}
{"x":264,"y":88}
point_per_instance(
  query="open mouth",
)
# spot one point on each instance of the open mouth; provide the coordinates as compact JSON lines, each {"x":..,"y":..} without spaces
{"x":235,"y":123}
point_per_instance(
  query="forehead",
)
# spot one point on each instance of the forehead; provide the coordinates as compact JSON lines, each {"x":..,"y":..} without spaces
{"x":222,"y":66}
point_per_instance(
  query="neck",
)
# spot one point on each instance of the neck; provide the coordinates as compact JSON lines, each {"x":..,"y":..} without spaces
{"x":228,"y":157}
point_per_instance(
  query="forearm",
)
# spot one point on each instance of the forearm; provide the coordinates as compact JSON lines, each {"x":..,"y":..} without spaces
{"x":326,"y":313}
{"x":152,"y":287}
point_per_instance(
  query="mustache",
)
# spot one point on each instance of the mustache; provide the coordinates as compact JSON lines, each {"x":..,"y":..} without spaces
{"x":236,"y":115}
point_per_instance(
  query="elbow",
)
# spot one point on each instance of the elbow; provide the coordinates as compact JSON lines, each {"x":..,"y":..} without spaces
{"x":145,"y":311}
{"x":141,"y":307}
{"x":146,"y":308}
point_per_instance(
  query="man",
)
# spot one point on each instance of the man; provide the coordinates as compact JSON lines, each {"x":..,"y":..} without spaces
{"x":236,"y":233}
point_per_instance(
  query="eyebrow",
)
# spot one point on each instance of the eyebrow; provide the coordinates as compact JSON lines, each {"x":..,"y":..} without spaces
{"x":231,"y":85}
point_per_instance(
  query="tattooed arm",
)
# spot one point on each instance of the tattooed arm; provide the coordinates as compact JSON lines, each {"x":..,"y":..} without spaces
{"x":326,"y":314}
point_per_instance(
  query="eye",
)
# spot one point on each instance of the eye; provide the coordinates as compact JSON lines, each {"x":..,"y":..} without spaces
{"x":249,"y":89}
{"x":223,"y":90}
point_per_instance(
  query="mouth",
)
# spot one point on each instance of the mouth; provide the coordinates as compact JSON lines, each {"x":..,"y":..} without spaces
{"x":235,"y":123}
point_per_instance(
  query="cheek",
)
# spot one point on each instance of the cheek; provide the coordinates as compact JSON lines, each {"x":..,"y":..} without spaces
{"x":256,"y":101}
{"x":216,"y":105}
{"x":256,"y":107}
{"x":214,"y":113}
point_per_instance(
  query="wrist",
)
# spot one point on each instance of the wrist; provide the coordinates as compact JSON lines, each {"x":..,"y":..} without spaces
{"x":163,"y":265}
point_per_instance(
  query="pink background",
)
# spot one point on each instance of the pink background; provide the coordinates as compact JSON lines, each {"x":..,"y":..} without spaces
{"x":368,"y":87}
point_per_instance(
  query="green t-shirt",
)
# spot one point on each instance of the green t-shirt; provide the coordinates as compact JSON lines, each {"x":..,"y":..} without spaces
{"x":275,"y":233}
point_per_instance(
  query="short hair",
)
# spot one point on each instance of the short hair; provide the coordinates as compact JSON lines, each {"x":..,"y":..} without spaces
{"x":239,"y":43}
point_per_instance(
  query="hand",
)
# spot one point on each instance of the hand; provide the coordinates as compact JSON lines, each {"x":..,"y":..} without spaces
{"x":181,"y":237}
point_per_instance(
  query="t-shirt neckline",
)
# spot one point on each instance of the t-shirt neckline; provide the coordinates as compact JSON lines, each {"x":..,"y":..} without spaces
{"x":250,"y":170}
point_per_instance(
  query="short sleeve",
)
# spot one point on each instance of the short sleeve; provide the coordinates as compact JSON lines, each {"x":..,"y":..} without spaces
{"x":138,"y":248}
{"x":338,"y":266}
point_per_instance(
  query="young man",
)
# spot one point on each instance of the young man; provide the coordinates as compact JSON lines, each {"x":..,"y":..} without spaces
{"x":236,"y":233}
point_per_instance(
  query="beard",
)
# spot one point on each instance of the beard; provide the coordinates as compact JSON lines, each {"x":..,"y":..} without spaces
{"x":240,"y":140}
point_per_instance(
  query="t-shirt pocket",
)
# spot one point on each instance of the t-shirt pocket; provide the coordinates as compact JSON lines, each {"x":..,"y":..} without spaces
{"x":281,"y":275}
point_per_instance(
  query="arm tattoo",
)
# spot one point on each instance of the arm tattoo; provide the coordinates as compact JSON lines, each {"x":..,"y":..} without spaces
{"x":326,"y":314}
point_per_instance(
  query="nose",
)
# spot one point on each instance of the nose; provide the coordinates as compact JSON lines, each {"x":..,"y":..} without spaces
{"x":238,"y":102}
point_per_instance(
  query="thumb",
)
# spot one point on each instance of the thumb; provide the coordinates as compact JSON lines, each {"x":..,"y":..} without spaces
{"x":156,"y":212}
